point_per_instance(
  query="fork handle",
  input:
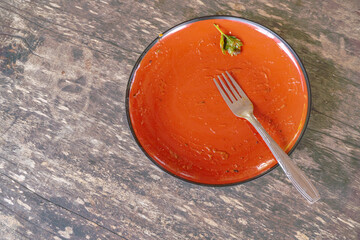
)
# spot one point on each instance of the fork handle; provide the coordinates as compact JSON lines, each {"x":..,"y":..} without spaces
{"x":296,"y":176}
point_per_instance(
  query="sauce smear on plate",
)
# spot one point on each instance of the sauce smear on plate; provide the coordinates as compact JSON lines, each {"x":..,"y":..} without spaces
{"x":180,"y":119}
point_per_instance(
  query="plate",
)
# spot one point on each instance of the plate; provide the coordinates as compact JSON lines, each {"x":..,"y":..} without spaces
{"x":179,"y":119}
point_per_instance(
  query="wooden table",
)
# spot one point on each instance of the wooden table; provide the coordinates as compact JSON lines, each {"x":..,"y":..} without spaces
{"x":70,"y":168}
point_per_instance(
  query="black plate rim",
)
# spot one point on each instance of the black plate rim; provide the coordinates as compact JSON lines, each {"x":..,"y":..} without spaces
{"x":175,"y":28}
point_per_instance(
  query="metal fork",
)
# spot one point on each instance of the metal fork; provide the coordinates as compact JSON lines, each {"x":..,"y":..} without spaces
{"x":242,"y":107}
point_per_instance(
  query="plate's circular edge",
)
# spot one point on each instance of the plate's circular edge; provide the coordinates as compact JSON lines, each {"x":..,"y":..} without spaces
{"x":127,"y":95}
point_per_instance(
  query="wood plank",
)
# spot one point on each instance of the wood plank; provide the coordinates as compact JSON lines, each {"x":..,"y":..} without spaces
{"x":35,"y":216}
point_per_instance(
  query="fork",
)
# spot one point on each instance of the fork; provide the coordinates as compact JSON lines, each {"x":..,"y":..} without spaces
{"x":242,"y":107}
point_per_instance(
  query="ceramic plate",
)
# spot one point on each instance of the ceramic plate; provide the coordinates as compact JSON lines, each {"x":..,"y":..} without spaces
{"x":180,"y":120}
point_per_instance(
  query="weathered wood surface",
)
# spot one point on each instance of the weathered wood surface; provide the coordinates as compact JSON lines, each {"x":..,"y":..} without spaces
{"x":70,"y":169}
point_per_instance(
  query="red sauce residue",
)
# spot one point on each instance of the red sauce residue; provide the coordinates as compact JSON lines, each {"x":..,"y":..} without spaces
{"x":181,"y":120}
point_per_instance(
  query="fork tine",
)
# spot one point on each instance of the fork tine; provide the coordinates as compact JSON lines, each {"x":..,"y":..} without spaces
{"x":232,"y":89}
{"x":238,"y":88}
{"x":223,"y":94}
{"x":231,"y":96}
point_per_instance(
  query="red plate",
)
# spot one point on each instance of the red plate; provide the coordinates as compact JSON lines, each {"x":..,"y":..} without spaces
{"x":180,"y":120}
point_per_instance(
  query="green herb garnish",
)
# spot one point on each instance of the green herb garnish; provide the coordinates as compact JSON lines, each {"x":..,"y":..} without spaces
{"x":230,"y":44}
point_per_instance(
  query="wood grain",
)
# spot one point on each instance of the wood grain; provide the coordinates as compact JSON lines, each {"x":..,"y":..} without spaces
{"x":70,"y":169}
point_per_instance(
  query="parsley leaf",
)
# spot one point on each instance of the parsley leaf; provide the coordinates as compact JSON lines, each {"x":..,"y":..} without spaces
{"x":230,"y":44}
